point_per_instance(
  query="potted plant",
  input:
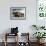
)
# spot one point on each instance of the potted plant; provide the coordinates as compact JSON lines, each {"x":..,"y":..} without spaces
{"x":39,"y":35}
{"x":35,"y":26}
{"x":38,"y":27}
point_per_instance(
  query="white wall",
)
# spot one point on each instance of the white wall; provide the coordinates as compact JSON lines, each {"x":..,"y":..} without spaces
{"x":24,"y":25}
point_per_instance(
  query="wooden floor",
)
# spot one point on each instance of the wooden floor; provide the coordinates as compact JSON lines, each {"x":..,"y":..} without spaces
{"x":13,"y":44}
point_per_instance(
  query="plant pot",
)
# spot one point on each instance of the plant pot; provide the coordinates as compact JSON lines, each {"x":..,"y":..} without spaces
{"x":40,"y":41}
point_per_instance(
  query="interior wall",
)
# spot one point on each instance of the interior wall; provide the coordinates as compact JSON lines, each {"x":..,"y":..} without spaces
{"x":24,"y":25}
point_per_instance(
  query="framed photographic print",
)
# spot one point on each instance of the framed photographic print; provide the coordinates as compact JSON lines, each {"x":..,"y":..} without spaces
{"x":18,"y":13}
{"x":41,"y":9}
{"x":41,"y":12}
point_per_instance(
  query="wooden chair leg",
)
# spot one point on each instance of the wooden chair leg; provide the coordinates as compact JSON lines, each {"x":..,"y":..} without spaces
{"x":5,"y":43}
{"x":5,"y":39}
{"x":17,"y":39}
